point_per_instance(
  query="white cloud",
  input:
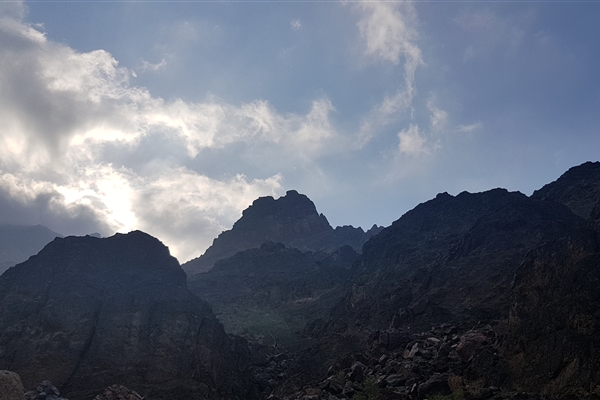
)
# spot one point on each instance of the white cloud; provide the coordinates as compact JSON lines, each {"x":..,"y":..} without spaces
{"x":438,"y":118}
{"x":66,"y":116}
{"x":296,"y":24}
{"x":147,"y":66}
{"x":469,"y":128}
{"x":389,"y":33}
{"x":412,"y":142}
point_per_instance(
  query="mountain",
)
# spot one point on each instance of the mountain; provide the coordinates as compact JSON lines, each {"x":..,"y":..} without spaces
{"x":86,"y":313}
{"x":18,"y":243}
{"x":292,"y":220}
{"x":450,"y":260}
{"x":272,"y":291}
{"x":578,"y":189}
{"x":553,"y":342}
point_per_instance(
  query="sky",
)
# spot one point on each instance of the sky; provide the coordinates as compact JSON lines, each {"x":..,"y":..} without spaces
{"x":172,"y":116}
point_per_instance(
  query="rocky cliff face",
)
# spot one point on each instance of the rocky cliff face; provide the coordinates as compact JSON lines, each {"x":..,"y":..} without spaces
{"x":553,"y":347}
{"x":292,"y":219}
{"x":86,"y":313}
{"x":578,"y":189}
{"x":451,"y":259}
{"x":18,"y":243}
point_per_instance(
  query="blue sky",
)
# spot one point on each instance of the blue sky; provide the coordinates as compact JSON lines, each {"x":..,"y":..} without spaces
{"x":171,"y":117}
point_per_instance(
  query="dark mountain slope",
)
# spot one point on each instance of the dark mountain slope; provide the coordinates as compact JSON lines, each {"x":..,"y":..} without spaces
{"x":451,"y":259}
{"x":553,"y":347}
{"x":87,"y":312}
{"x":292,"y":219}
{"x":18,"y":243}
{"x":578,"y":189}
{"x":273,"y":291}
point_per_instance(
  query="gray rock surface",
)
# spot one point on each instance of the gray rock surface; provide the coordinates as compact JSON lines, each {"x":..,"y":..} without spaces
{"x":11,"y":387}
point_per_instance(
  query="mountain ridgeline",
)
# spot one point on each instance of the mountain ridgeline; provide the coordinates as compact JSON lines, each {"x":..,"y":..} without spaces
{"x":18,"y":243}
{"x":292,"y":220}
{"x":491,"y":295}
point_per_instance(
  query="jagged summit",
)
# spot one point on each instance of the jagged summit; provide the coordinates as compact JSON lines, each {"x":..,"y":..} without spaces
{"x":292,"y":219}
{"x":578,"y":189}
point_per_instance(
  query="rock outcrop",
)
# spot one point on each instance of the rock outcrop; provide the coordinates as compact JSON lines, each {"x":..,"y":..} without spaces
{"x":18,"y":243}
{"x":292,"y":219}
{"x":86,"y":313}
{"x":44,"y":391}
{"x":11,"y":387}
{"x":578,"y":189}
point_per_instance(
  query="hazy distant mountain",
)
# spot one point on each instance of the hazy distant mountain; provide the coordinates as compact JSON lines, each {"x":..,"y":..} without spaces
{"x":18,"y":243}
{"x":292,"y":219}
{"x":86,"y":313}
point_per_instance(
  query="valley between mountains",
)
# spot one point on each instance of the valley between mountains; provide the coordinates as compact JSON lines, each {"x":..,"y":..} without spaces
{"x":491,"y":295}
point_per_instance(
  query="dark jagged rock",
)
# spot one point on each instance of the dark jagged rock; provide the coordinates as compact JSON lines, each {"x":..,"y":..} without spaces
{"x":451,"y":259}
{"x":44,"y":391}
{"x":578,"y":189}
{"x":273,"y":291}
{"x":292,"y":219}
{"x":553,"y":346}
{"x":118,"y":392}
{"x":18,"y":243}
{"x":87,"y":312}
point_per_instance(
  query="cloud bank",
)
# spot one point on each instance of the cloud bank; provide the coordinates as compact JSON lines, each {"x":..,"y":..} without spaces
{"x":83,"y":149}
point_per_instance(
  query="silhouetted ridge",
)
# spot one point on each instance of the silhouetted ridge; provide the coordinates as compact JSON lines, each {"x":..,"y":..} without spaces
{"x":292,"y":219}
{"x":578,"y":189}
{"x":87,"y":312}
{"x":18,"y":243}
{"x":451,"y":259}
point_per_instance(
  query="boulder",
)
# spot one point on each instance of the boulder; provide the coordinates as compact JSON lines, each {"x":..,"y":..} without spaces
{"x":44,"y":391}
{"x":11,"y":387}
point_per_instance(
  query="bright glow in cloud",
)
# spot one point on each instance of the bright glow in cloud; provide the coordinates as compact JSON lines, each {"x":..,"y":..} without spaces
{"x":65,"y":114}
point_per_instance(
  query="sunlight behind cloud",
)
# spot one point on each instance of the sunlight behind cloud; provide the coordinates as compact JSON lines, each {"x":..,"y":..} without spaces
{"x":65,"y":107}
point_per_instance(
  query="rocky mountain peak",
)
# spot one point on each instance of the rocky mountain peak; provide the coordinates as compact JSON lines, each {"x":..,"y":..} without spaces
{"x":292,"y":216}
{"x":292,"y":220}
{"x":87,"y":312}
{"x":578,"y":189}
